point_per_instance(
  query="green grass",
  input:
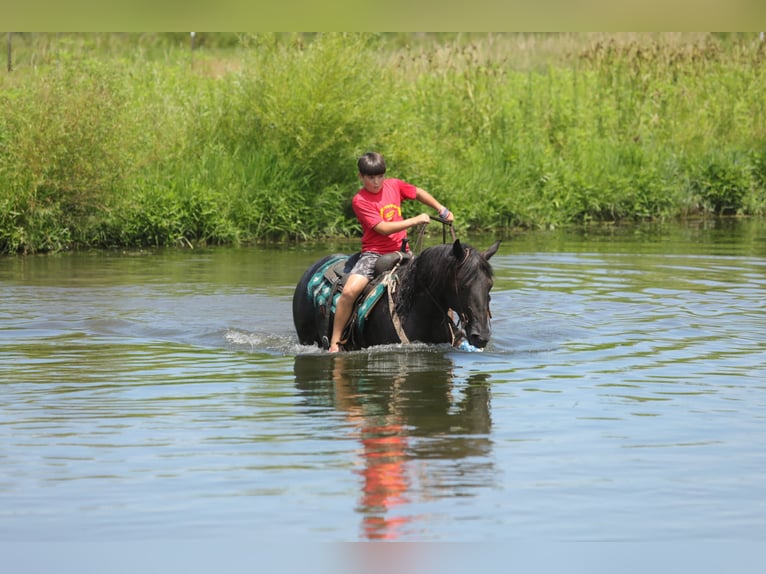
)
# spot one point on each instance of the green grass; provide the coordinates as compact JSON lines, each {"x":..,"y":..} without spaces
{"x":132,"y":140}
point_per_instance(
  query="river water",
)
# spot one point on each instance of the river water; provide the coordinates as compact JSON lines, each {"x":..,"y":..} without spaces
{"x":162,"y":394}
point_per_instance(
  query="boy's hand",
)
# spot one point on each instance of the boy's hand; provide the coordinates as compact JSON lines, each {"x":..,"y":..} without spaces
{"x":423,"y":218}
{"x":445,"y":216}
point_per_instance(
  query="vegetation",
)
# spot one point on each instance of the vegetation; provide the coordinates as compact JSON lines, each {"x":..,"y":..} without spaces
{"x":136,"y":140}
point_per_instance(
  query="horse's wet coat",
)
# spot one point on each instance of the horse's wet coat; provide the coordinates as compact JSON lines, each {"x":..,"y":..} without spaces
{"x":444,"y":280}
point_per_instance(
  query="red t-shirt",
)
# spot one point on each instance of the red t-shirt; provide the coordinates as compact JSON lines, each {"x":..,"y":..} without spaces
{"x":372,"y":208}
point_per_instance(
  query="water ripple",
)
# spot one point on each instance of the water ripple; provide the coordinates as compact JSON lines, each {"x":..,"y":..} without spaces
{"x":622,"y":397}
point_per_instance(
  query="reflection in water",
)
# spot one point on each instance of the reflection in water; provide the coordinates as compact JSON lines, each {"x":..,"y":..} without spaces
{"x":423,"y":435}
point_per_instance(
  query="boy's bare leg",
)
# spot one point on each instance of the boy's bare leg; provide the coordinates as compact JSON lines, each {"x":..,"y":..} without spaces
{"x":355,"y":284}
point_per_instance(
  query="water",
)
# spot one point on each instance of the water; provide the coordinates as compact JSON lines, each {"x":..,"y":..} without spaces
{"x":163,"y":395}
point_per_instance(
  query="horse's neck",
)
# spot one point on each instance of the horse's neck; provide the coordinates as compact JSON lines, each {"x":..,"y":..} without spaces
{"x":424,"y":315}
{"x":431,"y":289}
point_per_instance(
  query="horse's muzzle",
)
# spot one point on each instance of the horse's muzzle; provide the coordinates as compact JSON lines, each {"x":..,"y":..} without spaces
{"x":478,"y":337}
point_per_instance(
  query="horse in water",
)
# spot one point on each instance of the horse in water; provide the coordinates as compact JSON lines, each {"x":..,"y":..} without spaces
{"x":439,"y":296}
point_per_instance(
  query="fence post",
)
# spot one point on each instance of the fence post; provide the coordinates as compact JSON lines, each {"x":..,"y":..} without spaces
{"x":192,"y":35}
{"x":10,"y":52}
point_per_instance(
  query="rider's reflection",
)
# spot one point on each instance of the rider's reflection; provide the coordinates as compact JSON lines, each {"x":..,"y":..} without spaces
{"x":384,"y":453}
{"x":409,"y":416}
{"x":385,"y":480}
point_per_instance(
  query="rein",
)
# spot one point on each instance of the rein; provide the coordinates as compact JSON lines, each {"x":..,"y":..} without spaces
{"x":422,"y":232}
{"x":456,"y":332}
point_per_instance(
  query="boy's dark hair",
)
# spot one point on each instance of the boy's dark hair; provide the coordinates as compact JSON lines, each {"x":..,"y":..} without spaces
{"x":372,"y":163}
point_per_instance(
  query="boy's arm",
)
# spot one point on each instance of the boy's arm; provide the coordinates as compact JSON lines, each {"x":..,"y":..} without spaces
{"x":427,"y":199}
{"x":389,"y":227}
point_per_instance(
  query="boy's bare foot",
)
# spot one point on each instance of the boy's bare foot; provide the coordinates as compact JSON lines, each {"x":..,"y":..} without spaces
{"x":334,"y":348}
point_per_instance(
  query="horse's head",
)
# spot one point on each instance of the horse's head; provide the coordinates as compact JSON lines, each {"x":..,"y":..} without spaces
{"x":473,"y":280}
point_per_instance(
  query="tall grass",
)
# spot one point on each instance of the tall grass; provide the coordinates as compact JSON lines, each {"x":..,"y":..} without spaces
{"x":256,"y":137}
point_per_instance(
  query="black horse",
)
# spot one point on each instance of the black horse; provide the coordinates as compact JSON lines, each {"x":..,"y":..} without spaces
{"x":439,"y":296}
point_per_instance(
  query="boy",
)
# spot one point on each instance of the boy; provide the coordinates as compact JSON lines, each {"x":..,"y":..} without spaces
{"x":377,"y":206}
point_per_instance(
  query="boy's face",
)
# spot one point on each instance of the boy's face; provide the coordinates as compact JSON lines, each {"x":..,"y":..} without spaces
{"x":372,"y":183}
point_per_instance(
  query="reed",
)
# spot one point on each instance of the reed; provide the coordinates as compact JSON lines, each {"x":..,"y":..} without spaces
{"x":132,"y":140}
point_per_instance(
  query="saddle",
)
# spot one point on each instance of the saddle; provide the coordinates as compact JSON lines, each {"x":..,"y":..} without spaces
{"x":328,"y":281}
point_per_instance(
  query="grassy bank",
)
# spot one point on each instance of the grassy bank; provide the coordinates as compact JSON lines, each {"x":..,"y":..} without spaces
{"x":134,"y":141}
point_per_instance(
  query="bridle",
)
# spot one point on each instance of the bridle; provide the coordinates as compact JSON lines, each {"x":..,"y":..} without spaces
{"x":456,"y":332}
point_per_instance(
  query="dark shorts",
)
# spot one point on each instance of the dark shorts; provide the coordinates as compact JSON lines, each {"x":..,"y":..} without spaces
{"x":365,"y":265}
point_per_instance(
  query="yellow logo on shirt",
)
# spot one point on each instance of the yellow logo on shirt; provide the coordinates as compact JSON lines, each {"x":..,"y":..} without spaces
{"x":390,"y":211}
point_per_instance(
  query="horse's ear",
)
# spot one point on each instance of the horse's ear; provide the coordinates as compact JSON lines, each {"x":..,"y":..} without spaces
{"x":492,"y":250}
{"x":458,"y":251}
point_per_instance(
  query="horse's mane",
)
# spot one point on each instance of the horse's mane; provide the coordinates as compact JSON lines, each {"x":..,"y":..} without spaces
{"x":436,"y":267}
